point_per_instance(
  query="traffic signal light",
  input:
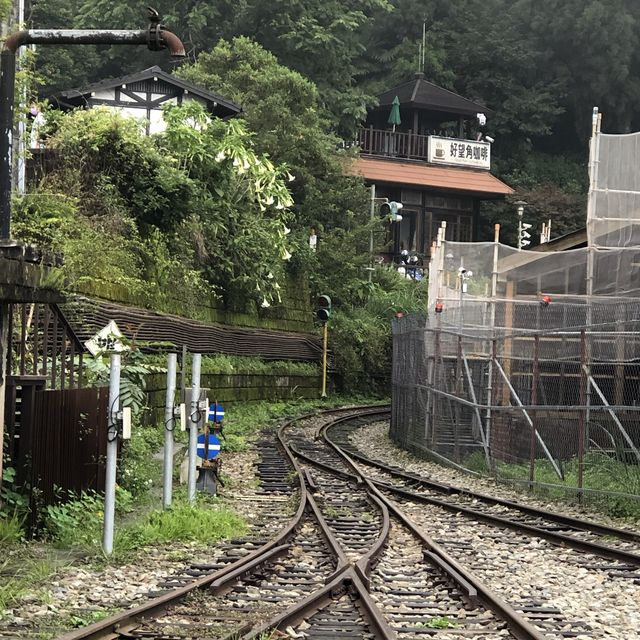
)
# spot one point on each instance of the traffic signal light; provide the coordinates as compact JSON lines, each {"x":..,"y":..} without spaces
{"x":390,"y":210}
{"x":323,"y":308}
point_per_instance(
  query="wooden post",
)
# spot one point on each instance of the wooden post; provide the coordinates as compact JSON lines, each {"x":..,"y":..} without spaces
{"x":508,"y":339}
{"x":457,"y":413}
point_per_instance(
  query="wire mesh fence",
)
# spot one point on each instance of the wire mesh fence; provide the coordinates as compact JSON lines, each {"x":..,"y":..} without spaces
{"x":541,"y":397}
{"x":527,"y":365}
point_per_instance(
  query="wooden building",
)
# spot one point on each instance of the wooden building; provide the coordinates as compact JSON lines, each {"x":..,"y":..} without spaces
{"x":143,"y":94}
{"x":436,"y":162}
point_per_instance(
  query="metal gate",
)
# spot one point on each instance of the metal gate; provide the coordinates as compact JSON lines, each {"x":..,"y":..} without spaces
{"x":65,"y":440}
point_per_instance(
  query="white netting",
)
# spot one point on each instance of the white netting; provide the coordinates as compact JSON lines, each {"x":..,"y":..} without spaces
{"x":527,"y":364}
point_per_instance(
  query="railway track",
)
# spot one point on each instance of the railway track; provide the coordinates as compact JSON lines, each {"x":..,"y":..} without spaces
{"x":360,"y":558}
{"x":616,"y":544}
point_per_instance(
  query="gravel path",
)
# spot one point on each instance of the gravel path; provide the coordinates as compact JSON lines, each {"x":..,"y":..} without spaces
{"x":526,"y":571}
{"x":81,"y":591}
{"x":373,"y":440}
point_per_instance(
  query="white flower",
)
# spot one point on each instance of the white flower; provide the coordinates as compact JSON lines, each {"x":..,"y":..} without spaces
{"x":221,"y":156}
{"x":270,"y":275}
{"x":269,"y":200}
{"x":286,"y":231}
{"x":290,"y":178}
{"x":265,"y":303}
{"x":286,"y":255}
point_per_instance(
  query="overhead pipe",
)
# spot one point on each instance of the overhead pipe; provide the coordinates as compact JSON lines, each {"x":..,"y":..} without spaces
{"x":155,"y":36}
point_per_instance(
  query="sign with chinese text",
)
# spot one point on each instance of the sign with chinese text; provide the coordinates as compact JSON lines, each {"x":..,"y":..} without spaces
{"x":107,"y":339}
{"x":465,"y":153}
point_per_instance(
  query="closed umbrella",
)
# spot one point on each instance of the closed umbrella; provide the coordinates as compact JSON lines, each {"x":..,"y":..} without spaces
{"x":394,"y":115}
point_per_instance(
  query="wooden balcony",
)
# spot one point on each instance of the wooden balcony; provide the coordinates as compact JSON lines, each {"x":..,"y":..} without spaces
{"x":393,"y":144}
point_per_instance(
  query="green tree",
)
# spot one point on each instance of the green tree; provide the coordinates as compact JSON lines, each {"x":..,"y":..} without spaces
{"x":162,"y":213}
{"x":282,"y":109}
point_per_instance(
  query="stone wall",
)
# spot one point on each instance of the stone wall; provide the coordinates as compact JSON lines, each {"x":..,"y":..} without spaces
{"x":294,"y":314}
{"x":240,"y":387}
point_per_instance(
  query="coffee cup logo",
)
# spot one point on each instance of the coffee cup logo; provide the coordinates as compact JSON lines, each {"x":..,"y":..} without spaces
{"x":439,"y":150}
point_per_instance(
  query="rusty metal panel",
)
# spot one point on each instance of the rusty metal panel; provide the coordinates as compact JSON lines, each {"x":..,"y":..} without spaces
{"x":68,"y":434}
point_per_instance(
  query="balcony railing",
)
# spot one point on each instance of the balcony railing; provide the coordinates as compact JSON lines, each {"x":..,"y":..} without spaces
{"x":395,"y":144}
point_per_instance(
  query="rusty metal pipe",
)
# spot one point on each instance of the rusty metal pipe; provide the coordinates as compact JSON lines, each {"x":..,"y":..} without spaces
{"x":156,"y":37}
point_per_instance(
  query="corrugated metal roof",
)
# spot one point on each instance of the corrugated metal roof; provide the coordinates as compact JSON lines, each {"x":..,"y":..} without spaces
{"x":86,"y":316}
{"x":421,"y":174}
{"x":422,"y":94}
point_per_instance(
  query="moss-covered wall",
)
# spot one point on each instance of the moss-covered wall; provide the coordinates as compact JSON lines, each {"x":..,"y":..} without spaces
{"x":227,"y":389}
{"x":294,"y":314}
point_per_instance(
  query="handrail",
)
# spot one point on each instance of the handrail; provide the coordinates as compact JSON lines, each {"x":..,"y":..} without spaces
{"x":401,"y":144}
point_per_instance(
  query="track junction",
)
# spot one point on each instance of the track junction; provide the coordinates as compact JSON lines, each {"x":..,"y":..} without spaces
{"x":376,"y":553}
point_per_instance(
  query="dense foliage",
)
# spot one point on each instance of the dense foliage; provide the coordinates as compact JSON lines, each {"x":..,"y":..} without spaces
{"x":540,"y":64}
{"x":195,"y":210}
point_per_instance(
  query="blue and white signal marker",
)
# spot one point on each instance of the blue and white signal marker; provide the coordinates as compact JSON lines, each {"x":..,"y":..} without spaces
{"x":213,"y":449}
{"x":215,"y":413}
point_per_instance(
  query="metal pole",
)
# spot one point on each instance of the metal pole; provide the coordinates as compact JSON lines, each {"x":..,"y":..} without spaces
{"x":325,"y":340}
{"x":372,"y":217}
{"x":584,"y":381}
{"x":520,"y":212}
{"x":193,"y":425}
{"x":492,"y":345}
{"x":183,"y":374}
{"x":22,"y":130}
{"x":112,"y":455}
{"x":461,"y":279}
{"x":169,"y":423}
{"x":534,"y":401}
{"x":476,"y":409}
{"x":516,"y":397}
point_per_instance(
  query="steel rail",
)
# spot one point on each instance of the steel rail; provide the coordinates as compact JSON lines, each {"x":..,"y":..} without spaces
{"x":123,"y":622}
{"x":466,"y":581}
{"x":584,"y":525}
{"x":560,"y":539}
{"x":348,"y":578}
{"x":109,"y":626}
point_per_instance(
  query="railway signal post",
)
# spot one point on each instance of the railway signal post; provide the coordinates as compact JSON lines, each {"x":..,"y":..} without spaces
{"x":323,"y":313}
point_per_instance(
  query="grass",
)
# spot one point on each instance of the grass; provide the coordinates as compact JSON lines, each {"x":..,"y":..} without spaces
{"x":186,"y":523}
{"x":76,"y":524}
{"x":229,"y":365}
{"x":24,"y":576}
{"x":246,"y":419}
{"x":600,"y":472}
{"x":11,"y":530}
{"x":438,"y":622}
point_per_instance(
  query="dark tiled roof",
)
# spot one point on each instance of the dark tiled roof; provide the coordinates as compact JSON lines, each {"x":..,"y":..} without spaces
{"x":421,"y":94}
{"x":218,"y":105}
{"x":421,"y":174}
